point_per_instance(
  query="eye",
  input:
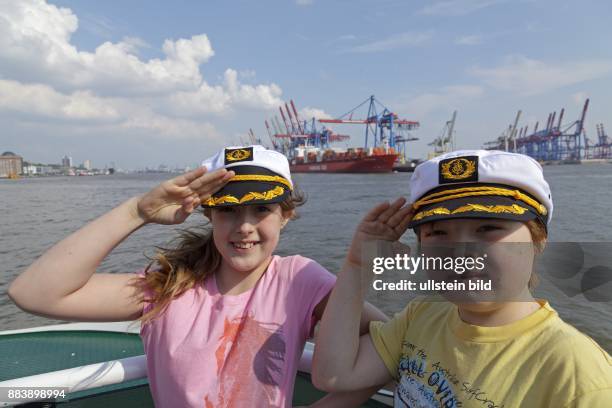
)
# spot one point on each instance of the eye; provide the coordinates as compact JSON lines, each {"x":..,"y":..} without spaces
{"x":434,"y":233}
{"x":263,"y":209}
{"x":487,"y":228}
{"x":225,"y":209}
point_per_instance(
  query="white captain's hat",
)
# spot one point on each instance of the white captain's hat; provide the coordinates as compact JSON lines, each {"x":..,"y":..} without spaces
{"x":262,"y":176}
{"x":480,"y":184}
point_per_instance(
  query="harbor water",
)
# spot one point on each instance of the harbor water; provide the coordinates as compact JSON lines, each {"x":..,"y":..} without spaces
{"x":38,"y":212}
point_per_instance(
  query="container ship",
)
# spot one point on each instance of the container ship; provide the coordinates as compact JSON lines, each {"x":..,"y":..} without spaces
{"x":308,"y":146}
{"x":351,"y":160}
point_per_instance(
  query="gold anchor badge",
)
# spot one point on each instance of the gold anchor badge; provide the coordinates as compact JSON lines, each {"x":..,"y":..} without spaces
{"x":237,"y":155}
{"x":458,"y":169}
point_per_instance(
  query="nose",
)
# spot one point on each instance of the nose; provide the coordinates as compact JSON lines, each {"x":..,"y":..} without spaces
{"x":473,"y":249}
{"x":463,"y":235}
{"x":245,"y":222}
{"x":464,"y":243}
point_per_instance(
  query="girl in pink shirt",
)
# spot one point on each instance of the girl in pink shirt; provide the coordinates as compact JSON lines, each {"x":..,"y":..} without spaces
{"x":224,"y":321}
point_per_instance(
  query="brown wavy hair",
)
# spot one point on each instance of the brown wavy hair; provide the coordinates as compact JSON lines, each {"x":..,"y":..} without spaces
{"x":187,"y":260}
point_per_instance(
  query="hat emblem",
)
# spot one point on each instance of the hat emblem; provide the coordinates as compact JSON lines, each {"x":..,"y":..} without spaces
{"x":458,"y":169}
{"x":237,"y":155}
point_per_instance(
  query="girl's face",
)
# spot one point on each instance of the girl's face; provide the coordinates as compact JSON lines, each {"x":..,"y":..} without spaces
{"x":246,"y":235}
{"x":508,"y":252}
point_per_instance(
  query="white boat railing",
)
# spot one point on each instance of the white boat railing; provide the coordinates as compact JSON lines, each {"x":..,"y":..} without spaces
{"x":81,"y":378}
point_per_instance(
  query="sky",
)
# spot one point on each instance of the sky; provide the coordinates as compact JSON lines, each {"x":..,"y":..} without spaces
{"x":143,"y":83}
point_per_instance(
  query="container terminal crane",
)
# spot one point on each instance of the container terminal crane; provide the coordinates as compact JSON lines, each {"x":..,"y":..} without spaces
{"x":308,"y":146}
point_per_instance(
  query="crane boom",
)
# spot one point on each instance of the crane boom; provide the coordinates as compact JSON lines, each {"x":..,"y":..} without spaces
{"x":284,"y":120}
{"x":297,"y":118}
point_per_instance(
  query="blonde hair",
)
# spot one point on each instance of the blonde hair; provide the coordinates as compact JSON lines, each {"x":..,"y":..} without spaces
{"x":187,"y":261}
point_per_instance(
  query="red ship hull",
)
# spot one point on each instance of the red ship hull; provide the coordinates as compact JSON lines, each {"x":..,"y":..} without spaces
{"x":368,"y":164}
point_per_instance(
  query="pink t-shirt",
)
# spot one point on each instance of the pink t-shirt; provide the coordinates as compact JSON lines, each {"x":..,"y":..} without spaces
{"x":212,"y":350}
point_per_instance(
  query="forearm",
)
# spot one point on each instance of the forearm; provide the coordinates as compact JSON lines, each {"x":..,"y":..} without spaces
{"x":68,"y":265}
{"x":337,"y":342}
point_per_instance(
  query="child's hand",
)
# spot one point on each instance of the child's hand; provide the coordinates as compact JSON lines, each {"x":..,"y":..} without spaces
{"x":174,"y":200}
{"x":385,"y":222}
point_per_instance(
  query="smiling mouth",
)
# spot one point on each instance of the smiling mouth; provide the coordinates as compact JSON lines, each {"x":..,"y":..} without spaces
{"x":244,"y":245}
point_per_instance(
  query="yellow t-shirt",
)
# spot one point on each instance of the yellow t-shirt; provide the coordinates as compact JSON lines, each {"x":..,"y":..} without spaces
{"x":540,"y":361}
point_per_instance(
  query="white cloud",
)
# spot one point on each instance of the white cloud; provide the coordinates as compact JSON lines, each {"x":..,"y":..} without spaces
{"x":526,"y":76}
{"x":251,"y":96}
{"x":206,"y":99}
{"x":37,"y":35}
{"x":151,"y":124}
{"x":447,"y":98}
{"x":308,"y":113}
{"x":401,"y":40}
{"x":37,"y":100}
{"x":35,"y":47}
{"x":223,"y":99}
{"x":37,"y":103}
{"x":304,"y":2}
{"x":469,"y":40}
{"x":457,"y":7}
{"x":112,"y":89}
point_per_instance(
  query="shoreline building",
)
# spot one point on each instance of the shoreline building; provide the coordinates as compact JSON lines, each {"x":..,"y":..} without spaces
{"x":10,"y":165}
{"x":67,"y":161}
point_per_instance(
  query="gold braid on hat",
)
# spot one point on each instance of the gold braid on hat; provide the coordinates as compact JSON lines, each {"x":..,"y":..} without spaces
{"x":479,"y":191}
{"x":253,"y":195}
{"x":261,"y":177}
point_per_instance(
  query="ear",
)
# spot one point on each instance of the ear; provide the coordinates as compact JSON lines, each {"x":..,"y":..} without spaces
{"x":288,"y":215}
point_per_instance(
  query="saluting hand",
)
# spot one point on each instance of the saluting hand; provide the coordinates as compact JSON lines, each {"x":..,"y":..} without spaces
{"x":174,"y":200}
{"x":385,"y":222}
